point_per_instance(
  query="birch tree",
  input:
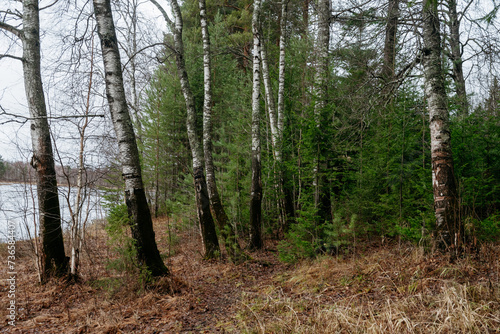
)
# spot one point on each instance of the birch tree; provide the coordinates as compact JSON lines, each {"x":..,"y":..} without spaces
{"x":53,"y":259}
{"x":227,"y":231}
{"x":448,"y":227}
{"x":256,"y":183}
{"x":135,"y":197}
{"x":205,"y":219}
{"x":276,"y":117}
{"x":321,"y":195}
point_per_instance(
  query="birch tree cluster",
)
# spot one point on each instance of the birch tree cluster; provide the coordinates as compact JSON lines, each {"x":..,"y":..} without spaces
{"x":313,"y":123}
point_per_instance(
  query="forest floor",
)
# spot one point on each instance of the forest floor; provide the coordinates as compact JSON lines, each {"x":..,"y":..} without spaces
{"x":375,"y":288}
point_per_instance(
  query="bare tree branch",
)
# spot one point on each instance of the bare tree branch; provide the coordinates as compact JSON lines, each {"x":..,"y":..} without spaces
{"x":141,"y":50}
{"x":23,"y":119}
{"x":11,"y":56}
{"x":7,"y":27}
{"x":48,"y":6}
{"x":9,"y":12}
{"x":164,"y":13}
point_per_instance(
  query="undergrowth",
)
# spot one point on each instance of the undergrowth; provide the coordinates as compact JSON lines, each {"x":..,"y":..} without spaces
{"x":386,"y":291}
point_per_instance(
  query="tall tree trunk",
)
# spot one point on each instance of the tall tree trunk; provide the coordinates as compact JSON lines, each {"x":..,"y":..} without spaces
{"x":135,"y":196}
{"x":256,"y":184}
{"x":207,"y":225}
{"x":275,"y":132}
{"x":276,"y":119}
{"x":281,"y":76}
{"x":54,"y":261}
{"x":227,"y":231}
{"x":320,"y":186}
{"x":456,"y":57}
{"x":286,"y":192}
{"x":448,"y":227}
{"x":390,"y":42}
{"x":271,"y":105}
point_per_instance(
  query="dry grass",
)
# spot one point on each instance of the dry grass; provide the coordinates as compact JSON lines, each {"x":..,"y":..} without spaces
{"x":388,"y":291}
{"x":385,"y":290}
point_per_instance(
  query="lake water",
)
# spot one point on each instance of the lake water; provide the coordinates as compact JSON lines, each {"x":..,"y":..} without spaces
{"x":18,"y":206}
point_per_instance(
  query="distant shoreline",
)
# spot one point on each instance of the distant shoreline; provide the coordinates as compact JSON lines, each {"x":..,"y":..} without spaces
{"x":58,"y":185}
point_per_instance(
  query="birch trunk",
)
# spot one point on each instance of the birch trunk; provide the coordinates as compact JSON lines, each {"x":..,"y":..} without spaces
{"x":275,"y":134}
{"x":456,"y":57}
{"x":448,"y":231}
{"x":271,"y":105}
{"x":256,"y":183}
{"x":281,"y":75}
{"x":207,"y":225}
{"x":135,"y":196}
{"x":276,"y":120}
{"x":227,"y":231}
{"x":285,"y":191}
{"x":54,"y":261}
{"x":321,"y":193}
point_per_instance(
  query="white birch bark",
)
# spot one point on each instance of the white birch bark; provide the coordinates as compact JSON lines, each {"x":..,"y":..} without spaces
{"x":320,"y":84}
{"x":448,"y":229}
{"x":322,"y":46}
{"x":135,"y":197}
{"x":227,"y":232}
{"x":207,"y":102}
{"x":276,"y":115}
{"x":281,"y":76}
{"x":271,"y":105}
{"x":207,"y":225}
{"x":256,"y":183}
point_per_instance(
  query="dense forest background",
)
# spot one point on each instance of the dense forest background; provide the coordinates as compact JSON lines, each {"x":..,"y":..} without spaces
{"x":373,"y":143}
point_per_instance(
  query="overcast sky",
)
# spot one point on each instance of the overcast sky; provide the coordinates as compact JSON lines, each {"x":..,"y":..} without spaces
{"x":13,"y":100}
{"x":15,"y":141}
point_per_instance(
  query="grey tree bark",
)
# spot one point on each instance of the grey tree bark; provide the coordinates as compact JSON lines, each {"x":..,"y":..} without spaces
{"x":53,"y":259}
{"x":227,"y":231}
{"x":76,"y":224}
{"x":138,"y":210}
{"x":285,"y":187}
{"x":132,"y":41}
{"x":206,"y":221}
{"x":448,"y":231}
{"x":391,"y":29}
{"x":320,"y":186}
{"x":256,"y":183}
{"x":455,"y":56}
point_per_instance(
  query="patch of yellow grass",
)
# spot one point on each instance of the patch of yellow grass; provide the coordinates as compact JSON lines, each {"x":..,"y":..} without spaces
{"x":387,"y":291}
